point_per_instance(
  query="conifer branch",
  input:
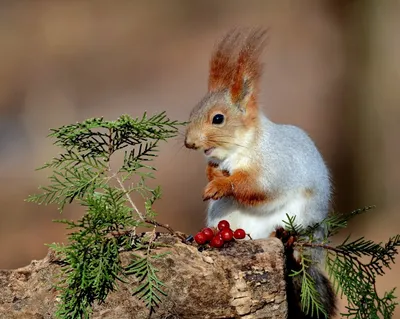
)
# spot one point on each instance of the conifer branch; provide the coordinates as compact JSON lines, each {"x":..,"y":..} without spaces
{"x":352,"y":276}
{"x":130,"y":199}
{"x":310,"y":300}
{"x":83,"y":174}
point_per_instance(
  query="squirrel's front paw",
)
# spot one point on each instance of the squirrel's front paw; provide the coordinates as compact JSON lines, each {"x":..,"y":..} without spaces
{"x":218,"y":188}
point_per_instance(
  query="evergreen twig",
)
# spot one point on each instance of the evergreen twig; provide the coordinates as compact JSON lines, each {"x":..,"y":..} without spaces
{"x":83,"y":173}
{"x":352,"y":276}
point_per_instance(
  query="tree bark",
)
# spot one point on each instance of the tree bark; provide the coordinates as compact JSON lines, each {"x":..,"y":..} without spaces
{"x":243,"y":280}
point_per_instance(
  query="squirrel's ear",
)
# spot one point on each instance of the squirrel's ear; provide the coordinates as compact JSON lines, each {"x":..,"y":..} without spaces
{"x":246,"y":75}
{"x":240,"y":96}
{"x":222,"y":63}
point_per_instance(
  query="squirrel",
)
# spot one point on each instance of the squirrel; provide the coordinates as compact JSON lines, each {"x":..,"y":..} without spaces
{"x":258,"y":171}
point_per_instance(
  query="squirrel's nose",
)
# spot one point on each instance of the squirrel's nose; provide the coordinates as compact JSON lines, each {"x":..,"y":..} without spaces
{"x":190,"y":144}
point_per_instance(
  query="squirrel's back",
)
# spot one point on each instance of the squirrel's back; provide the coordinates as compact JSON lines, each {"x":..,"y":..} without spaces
{"x":291,"y":160}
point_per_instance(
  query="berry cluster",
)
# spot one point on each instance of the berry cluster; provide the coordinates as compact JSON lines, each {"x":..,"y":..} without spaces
{"x":218,"y":237}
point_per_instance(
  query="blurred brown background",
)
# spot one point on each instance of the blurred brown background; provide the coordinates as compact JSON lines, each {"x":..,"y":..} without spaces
{"x":332,"y":67}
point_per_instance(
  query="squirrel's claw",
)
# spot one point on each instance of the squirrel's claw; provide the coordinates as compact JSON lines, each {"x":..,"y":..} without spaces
{"x":217,"y":188}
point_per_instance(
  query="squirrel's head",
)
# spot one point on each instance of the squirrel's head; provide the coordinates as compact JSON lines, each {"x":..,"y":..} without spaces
{"x":228,"y":113}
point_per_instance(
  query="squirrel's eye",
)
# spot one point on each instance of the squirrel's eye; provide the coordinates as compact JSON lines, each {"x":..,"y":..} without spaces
{"x":218,"y":119}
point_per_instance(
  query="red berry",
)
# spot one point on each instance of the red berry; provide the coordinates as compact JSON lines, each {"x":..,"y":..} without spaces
{"x":227,"y":234}
{"x":239,"y":234}
{"x":223,"y":224}
{"x":217,"y":242}
{"x":218,"y":235}
{"x":200,"y":238}
{"x":209,"y":233}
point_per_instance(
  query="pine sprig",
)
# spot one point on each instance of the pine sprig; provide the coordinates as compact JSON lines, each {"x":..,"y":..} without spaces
{"x":72,"y":158}
{"x":351,"y":275}
{"x":99,"y":137}
{"x":150,"y":288}
{"x":337,"y":222}
{"x":331,"y":224}
{"x":292,"y":226}
{"x":310,"y":299}
{"x":72,"y":183}
{"x":91,"y":273}
{"x":357,"y":279}
{"x":83,"y":173}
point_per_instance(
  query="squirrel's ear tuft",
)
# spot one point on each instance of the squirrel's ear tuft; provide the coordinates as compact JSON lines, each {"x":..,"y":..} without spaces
{"x":247,"y":70}
{"x":222,"y":63}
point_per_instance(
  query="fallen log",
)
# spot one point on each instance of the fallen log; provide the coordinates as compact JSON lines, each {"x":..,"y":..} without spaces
{"x":244,"y":280}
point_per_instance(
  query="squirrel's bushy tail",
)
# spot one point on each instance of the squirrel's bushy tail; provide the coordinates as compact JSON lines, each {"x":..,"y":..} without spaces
{"x":323,"y":286}
{"x":327,"y":296}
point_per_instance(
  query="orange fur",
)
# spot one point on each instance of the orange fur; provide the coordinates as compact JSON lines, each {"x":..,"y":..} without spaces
{"x":248,"y":68}
{"x":230,"y":69}
{"x":238,"y":82}
{"x":217,"y":188}
{"x":273,"y":234}
{"x":241,"y":185}
{"x":221,"y":64}
{"x":251,"y":118}
{"x":213,"y":171}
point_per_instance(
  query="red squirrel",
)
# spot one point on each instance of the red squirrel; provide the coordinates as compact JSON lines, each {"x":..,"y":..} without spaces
{"x":258,"y":171}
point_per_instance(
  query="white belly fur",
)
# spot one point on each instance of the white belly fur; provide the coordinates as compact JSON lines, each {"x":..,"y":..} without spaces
{"x":261,"y":221}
